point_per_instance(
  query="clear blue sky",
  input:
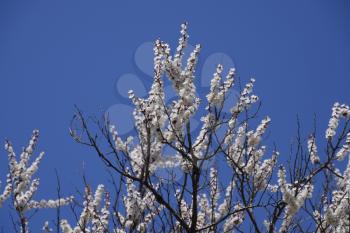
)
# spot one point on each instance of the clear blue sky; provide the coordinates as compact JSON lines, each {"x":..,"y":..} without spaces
{"x":54,"y":54}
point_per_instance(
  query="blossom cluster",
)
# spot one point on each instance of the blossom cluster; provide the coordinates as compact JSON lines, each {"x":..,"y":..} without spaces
{"x":93,"y":217}
{"x":155,"y":122}
{"x":345,"y":148}
{"x":210,"y":209}
{"x":245,"y":152}
{"x":246,"y":99}
{"x":338,"y":111}
{"x":140,"y":209}
{"x":7,"y":191}
{"x":335,"y":215}
{"x":20,"y":182}
{"x":311,"y":145}
{"x":294,"y":195}
{"x":158,"y":125}
{"x":218,"y":90}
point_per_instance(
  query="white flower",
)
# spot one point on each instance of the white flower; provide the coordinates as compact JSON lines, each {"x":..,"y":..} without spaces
{"x":234,"y":219}
{"x":92,"y":218}
{"x":20,"y":182}
{"x":311,"y":145}
{"x":338,"y":111}
{"x":345,"y":148}
{"x":7,"y":191}
{"x":293,"y":197}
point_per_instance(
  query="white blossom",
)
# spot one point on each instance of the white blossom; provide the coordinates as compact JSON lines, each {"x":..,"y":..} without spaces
{"x":140,"y":209}
{"x":255,"y":138}
{"x":7,"y":191}
{"x":20,"y":182}
{"x":93,"y":218}
{"x":214,"y":187}
{"x":294,"y":195}
{"x":336,"y":213}
{"x":345,"y":148}
{"x":49,"y":203}
{"x":264,"y":171}
{"x":338,"y":111}
{"x":234,"y":219}
{"x":218,"y":89}
{"x":245,"y":99}
{"x":311,"y":145}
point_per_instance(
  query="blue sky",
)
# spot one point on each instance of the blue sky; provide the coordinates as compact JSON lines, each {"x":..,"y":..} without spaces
{"x":54,"y":54}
